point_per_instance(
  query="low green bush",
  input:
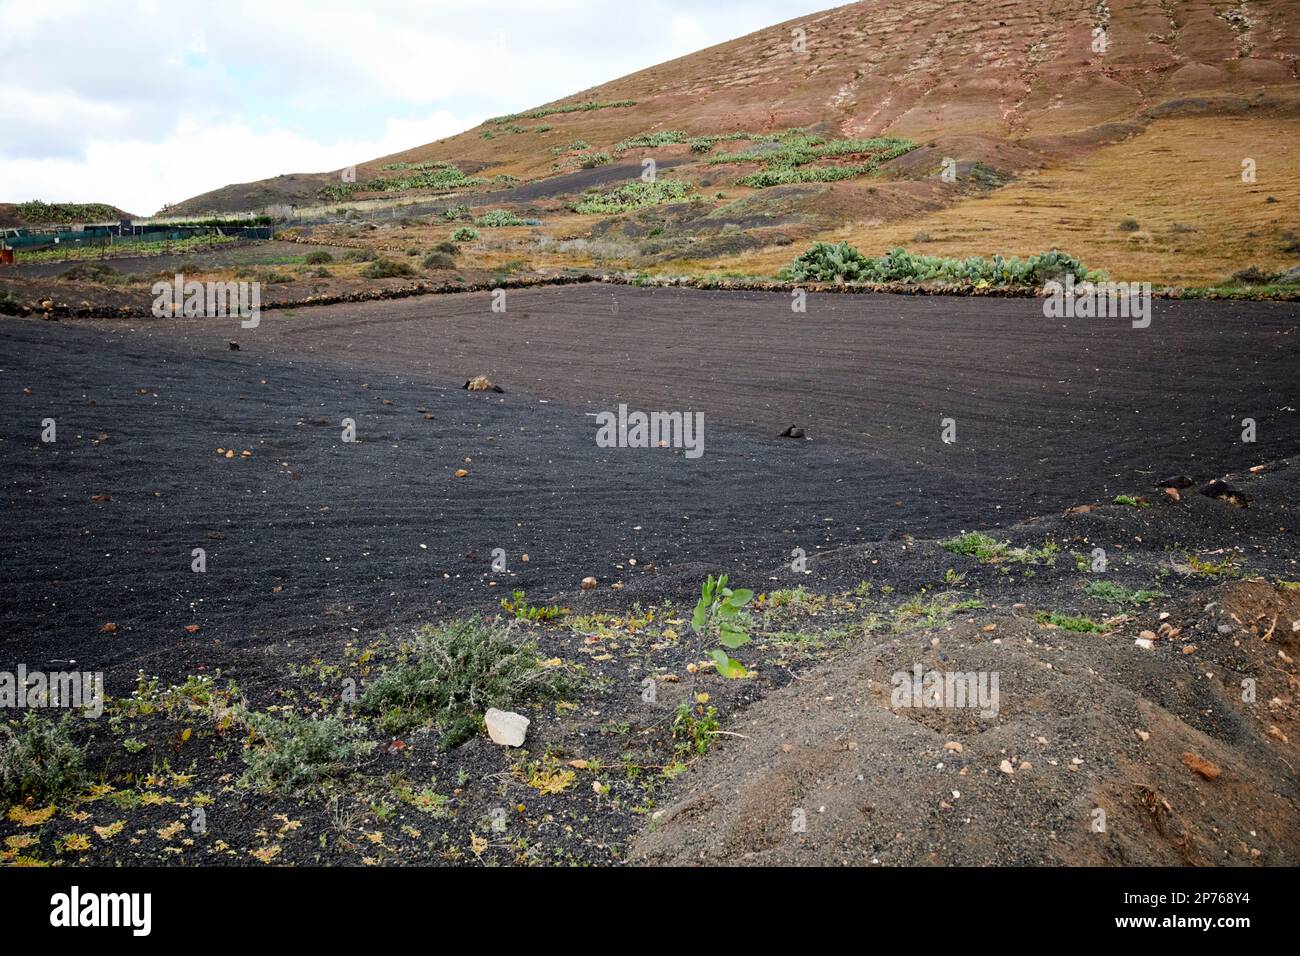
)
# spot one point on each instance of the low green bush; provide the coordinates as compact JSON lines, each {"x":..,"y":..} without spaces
{"x":841,"y":262}
{"x":634,"y":195}
{"x":290,"y":752}
{"x":40,"y":761}
{"x":498,"y":217}
{"x":387,"y":269}
{"x":451,"y":674}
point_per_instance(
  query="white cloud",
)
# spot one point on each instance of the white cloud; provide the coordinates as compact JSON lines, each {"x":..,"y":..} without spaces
{"x":153,"y":101}
{"x":141,"y":175}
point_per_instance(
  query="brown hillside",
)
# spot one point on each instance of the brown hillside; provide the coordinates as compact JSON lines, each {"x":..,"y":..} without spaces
{"x":1054,"y":141}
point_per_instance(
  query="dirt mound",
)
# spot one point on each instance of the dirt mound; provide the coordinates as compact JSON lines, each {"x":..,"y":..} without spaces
{"x":829,"y":771}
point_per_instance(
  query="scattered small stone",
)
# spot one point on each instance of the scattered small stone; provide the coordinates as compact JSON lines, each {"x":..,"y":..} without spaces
{"x":1006,"y":767}
{"x":461,"y":472}
{"x":794,"y":431}
{"x":481,"y":383}
{"x":1276,"y":732}
{"x":1221,"y":490}
{"x":1148,"y":635}
{"x":1175,"y":481}
{"x":588,"y":583}
{"x":1142,"y":735}
{"x":1143,"y":643}
{"x":1199,"y":765}
{"x":954,"y":746}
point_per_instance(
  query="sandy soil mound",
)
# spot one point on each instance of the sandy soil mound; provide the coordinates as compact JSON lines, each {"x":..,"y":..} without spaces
{"x":1084,"y":723}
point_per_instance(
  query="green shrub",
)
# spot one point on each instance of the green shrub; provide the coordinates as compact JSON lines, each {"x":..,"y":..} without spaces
{"x":459,"y":211}
{"x":989,"y":550}
{"x":1070,"y":622}
{"x":318,"y":257}
{"x":665,"y":138}
{"x":90,"y":272}
{"x":40,"y":761}
{"x":790,"y":162}
{"x":451,"y":674}
{"x":448,"y":247}
{"x":50,"y":213}
{"x":830,"y":262}
{"x":833,"y":262}
{"x":1118,"y":594}
{"x":1129,"y":224}
{"x":976,"y":545}
{"x":517,"y":604}
{"x":438,"y":260}
{"x":592,"y":160}
{"x":292,"y":752}
{"x":498,"y":217}
{"x":425,"y":176}
{"x":464,"y":234}
{"x":360,"y":255}
{"x":634,"y":195}
{"x":553,"y":110}
{"x":387,"y":269}
{"x":1130,"y":501}
{"x":1254,"y":275}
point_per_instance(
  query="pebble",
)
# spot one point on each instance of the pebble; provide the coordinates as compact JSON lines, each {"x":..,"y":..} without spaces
{"x":1200,"y":766}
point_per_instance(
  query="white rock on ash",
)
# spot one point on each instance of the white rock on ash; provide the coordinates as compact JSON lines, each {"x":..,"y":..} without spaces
{"x":506,"y":728}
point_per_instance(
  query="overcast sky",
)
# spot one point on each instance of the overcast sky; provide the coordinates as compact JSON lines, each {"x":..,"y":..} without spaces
{"x":144,"y":102}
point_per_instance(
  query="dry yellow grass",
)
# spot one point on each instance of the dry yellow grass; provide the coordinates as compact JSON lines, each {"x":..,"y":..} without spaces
{"x":1179,"y":173}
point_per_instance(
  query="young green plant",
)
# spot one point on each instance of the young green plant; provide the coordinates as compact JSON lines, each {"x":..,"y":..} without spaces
{"x":718,"y":613}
